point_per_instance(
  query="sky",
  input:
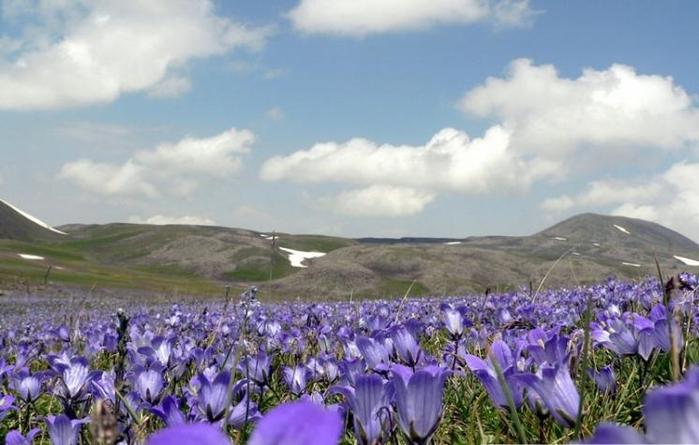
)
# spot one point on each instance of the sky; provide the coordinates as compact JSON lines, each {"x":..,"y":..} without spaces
{"x":447,"y":118}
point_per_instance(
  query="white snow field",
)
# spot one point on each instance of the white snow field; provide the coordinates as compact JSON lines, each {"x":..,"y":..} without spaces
{"x":27,"y":256}
{"x":687,"y":261}
{"x":297,"y":257}
{"x":622,"y":229}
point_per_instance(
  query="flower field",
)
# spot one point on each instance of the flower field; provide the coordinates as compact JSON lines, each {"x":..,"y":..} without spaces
{"x":607,"y":363}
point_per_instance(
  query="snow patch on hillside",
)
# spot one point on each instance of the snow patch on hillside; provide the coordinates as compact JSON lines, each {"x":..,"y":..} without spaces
{"x":297,"y":257}
{"x":687,"y":261}
{"x":622,"y":229}
{"x":453,"y":243}
{"x":27,"y":256}
{"x":631,"y":264}
{"x":31,"y":218}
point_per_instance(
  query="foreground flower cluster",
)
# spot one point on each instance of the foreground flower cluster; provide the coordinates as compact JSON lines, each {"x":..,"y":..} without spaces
{"x":563,"y":365}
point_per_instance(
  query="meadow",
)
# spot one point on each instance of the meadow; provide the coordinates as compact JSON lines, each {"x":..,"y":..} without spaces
{"x":606,"y":363}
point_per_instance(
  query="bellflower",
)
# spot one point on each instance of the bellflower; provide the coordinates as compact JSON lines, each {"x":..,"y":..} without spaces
{"x":189,"y":434}
{"x":486,"y":373}
{"x":298,"y":423}
{"x":14,"y":437}
{"x":419,"y":400}
{"x":64,"y":431}
{"x":407,"y":347}
{"x":366,"y":401}
{"x":556,"y":388}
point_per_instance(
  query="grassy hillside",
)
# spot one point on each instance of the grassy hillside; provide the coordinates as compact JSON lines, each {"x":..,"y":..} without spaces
{"x":203,"y":260}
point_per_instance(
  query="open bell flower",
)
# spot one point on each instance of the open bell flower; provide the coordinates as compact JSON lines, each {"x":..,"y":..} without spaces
{"x":149,"y":384}
{"x":485,"y":371}
{"x":406,"y":346}
{"x":367,"y":400}
{"x":64,"y":431}
{"x":189,"y":434}
{"x":27,"y":385}
{"x":419,"y":400}
{"x":14,"y":437}
{"x":298,"y":423}
{"x":555,"y":387}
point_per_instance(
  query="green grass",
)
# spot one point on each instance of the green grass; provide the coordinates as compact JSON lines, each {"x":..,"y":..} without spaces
{"x":314,"y":243}
{"x":392,"y":287}
{"x":257,"y":269}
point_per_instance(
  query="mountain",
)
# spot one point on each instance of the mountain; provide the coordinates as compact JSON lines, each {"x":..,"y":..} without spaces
{"x":203,"y":259}
{"x":18,"y":225}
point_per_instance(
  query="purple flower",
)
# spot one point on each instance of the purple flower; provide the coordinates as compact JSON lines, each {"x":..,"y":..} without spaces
{"x":485,"y":372}
{"x":454,"y":322}
{"x":14,"y":437}
{"x":6,"y":405}
{"x":296,"y":378}
{"x":190,"y":434}
{"x":257,"y":368}
{"x":213,"y":396}
{"x":556,"y":388}
{"x":609,"y":433}
{"x":169,"y":412}
{"x":148,"y":384}
{"x":604,"y":379}
{"x":75,"y":377}
{"x":366,"y":400}
{"x":374,"y":353}
{"x":419,"y":400}
{"x":407,"y":347}
{"x":64,"y":431}
{"x":298,"y":423}
{"x":28,"y":386}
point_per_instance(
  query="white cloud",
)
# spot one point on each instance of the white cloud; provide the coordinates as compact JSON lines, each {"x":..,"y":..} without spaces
{"x":275,"y":113}
{"x":170,"y":168}
{"x":170,"y":87}
{"x":381,"y":200}
{"x":358,"y":18}
{"x":449,"y":162}
{"x":72,"y":53}
{"x":162,"y":220}
{"x":605,"y":110}
{"x":670,"y":198}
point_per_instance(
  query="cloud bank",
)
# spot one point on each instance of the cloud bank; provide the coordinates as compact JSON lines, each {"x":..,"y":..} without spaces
{"x":168,"y":169}
{"x":359,"y":18}
{"x":79,"y":53}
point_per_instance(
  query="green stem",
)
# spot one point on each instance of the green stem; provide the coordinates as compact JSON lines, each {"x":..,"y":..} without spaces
{"x":510,"y":402}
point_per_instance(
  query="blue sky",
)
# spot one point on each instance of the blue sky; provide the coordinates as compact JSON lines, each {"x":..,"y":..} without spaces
{"x":315,"y":115}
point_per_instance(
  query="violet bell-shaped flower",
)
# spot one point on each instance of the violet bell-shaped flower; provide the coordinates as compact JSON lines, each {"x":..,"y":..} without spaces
{"x":556,"y":388}
{"x":419,"y":400}
{"x":367,"y":401}
{"x":485,"y":371}
{"x":298,"y":423}
{"x":64,"y":431}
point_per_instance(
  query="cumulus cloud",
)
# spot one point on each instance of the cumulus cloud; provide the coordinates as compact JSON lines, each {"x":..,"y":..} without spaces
{"x":616,"y":108}
{"x":670,"y":198}
{"x":358,"y":18}
{"x":72,"y":53}
{"x":410,"y":176}
{"x":162,"y":220}
{"x":380,"y":201}
{"x":170,"y":87}
{"x":171,"y":168}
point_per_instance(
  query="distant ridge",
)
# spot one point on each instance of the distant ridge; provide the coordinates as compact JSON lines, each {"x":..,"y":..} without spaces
{"x":16,"y":224}
{"x":581,"y":249}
